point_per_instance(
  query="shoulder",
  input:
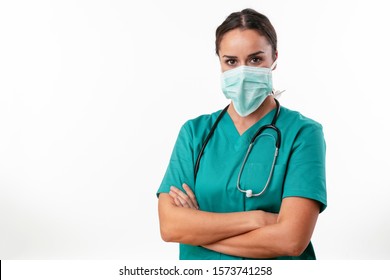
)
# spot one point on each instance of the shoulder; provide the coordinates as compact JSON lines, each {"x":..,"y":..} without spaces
{"x":201,"y":123}
{"x":294,"y":119}
{"x":297,"y":128}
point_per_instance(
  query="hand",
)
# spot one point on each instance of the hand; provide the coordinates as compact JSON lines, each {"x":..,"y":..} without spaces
{"x":182,"y":199}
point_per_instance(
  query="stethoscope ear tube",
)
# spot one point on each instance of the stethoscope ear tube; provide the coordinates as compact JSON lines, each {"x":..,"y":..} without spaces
{"x":207,"y":140}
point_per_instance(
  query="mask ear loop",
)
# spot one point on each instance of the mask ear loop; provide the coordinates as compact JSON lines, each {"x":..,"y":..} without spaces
{"x":276,"y":94}
{"x":273,"y":66}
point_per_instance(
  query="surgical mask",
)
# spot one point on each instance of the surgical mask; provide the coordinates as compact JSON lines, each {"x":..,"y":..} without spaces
{"x":247,"y":87}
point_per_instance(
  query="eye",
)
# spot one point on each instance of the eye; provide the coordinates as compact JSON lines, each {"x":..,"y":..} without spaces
{"x":255,"y":60}
{"x":231,"y":62}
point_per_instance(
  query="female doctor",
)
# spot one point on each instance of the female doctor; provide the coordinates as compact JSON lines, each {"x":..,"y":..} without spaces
{"x":247,"y":182}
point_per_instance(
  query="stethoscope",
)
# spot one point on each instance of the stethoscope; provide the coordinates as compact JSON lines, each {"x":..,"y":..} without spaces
{"x":249,"y":192}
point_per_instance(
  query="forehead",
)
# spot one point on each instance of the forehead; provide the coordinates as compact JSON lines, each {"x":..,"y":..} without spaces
{"x":240,"y":41}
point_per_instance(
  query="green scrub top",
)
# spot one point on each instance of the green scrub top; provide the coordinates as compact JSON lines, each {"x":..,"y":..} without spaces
{"x":299,"y":169}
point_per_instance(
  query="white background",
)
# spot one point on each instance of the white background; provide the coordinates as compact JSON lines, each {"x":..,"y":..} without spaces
{"x":93,"y":93}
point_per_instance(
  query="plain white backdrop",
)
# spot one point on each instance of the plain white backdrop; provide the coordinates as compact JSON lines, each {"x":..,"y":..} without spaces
{"x":93,"y":93}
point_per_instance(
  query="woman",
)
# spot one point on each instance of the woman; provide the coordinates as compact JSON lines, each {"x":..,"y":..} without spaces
{"x":232,"y":202}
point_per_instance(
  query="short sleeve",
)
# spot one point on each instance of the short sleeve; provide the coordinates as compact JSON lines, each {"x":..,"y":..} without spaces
{"x":181,"y":164}
{"x":305,"y":175}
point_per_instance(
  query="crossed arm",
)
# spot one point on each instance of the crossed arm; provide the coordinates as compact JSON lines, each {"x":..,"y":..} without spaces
{"x":251,"y":234}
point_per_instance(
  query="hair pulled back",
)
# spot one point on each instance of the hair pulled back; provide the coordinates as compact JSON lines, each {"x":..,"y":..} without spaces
{"x":247,"y":19}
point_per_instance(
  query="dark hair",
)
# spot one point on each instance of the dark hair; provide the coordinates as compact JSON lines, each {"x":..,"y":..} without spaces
{"x":247,"y":19}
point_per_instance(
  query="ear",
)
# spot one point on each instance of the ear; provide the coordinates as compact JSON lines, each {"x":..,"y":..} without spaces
{"x":276,"y":57}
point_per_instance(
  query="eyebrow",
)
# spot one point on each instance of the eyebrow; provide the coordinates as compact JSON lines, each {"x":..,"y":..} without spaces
{"x":253,"y":54}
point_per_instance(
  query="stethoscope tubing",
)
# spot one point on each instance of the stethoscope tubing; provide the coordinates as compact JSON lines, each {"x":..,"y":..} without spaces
{"x":207,"y":140}
{"x":278,"y":140}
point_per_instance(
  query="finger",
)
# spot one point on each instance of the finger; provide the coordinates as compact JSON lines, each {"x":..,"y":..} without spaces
{"x":173,"y":195}
{"x":179,"y":201}
{"x":175,"y":190}
{"x":183,"y":202}
{"x":191,"y":195}
{"x":184,"y":198}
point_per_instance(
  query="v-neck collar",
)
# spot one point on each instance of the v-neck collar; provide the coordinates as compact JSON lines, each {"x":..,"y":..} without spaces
{"x":234,"y":136}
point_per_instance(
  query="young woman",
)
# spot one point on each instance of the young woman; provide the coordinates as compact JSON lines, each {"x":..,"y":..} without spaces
{"x":247,"y":181}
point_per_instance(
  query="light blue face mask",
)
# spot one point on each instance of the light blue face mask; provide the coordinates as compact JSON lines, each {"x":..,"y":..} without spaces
{"x":247,"y":87}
